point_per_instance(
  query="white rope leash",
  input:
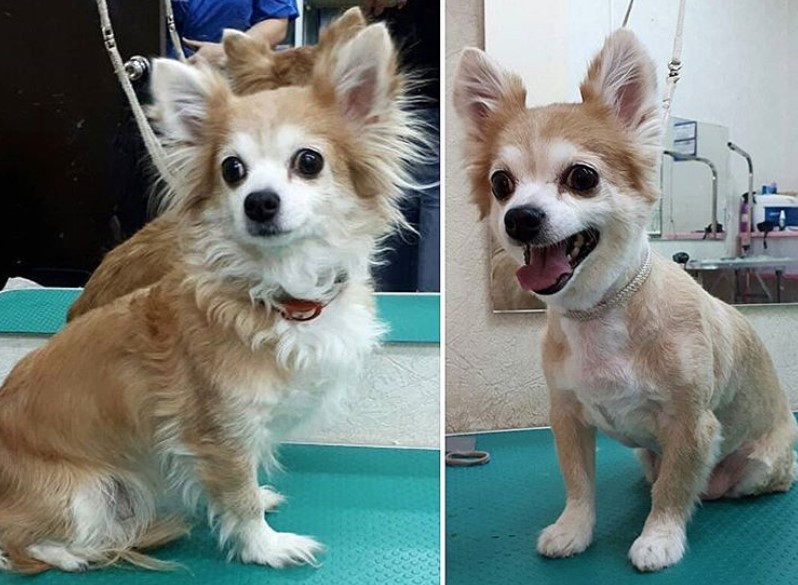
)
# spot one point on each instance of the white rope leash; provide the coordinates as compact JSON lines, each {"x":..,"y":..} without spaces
{"x":170,"y":26}
{"x":154,"y":147}
{"x":675,"y":64}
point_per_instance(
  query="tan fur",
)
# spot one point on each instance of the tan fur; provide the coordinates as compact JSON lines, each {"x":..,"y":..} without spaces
{"x":584,"y":125}
{"x":183,"y":361}
{"x":136,"y":263}
{"x":62,"y":416}
{"x":673,"y":371}
{"x":252,"y":66}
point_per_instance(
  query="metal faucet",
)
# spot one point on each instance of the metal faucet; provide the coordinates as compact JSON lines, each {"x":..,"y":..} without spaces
{"x":751,"y":194}
{"x":678,"y":157}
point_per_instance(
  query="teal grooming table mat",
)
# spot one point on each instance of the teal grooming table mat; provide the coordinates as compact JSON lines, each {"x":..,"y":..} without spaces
{"x":376,"y":511}
{"x":495,"y":512}
{"x":411,"y":317}
{"x":38,"y":311}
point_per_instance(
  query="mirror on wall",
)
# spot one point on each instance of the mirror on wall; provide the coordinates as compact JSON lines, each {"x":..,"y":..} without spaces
{"x":729,"y":183}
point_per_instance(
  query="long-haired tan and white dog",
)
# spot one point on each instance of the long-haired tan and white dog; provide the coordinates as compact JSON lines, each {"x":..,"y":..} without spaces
{"x":633,"y":346}
{"x":251,"y":66}
{"x":184,"y":388}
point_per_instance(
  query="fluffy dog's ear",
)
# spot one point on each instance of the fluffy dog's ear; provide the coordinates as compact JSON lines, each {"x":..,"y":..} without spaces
{"x":623,"y":77}
{"x":242,"y":49}
{"x":342,"y":29}
{"x":482,"y":88}
{"x":183,"y":97}
{"x":361,"y":76}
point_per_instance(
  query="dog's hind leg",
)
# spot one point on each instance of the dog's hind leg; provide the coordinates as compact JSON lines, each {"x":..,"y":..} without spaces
{"x":57,"y":555}
{"x":770,"y":466}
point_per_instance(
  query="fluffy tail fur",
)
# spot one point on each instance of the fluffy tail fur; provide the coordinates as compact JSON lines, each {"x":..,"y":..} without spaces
{"x":158,"y":534}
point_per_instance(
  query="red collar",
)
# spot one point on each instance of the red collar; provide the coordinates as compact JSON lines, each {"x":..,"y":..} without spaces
{"x":293,"y":309}
{"x":300,"y":309}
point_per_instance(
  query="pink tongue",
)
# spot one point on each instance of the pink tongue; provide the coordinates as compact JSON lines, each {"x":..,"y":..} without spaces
{"x":545,"y":268}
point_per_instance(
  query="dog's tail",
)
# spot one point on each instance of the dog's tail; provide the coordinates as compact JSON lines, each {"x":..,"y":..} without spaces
{"x":157,"y":534}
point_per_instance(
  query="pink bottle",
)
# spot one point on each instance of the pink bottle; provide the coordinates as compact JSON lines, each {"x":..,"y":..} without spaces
{"x":745,"y":235}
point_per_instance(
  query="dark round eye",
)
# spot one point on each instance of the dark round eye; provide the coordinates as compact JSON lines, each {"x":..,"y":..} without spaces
{"x":233,"y":170}
{"x":581,"y":178}
{"x":502,"y":185}
{"x":308,"y":163}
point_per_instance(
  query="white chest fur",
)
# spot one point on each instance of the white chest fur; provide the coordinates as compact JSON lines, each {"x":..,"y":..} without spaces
{"x":600,"y":371}
{"x":319,"y":364}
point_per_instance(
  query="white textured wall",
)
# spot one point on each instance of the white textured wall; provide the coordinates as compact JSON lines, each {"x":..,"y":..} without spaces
{"x":398,"y":404}
{"x":493,"y":370}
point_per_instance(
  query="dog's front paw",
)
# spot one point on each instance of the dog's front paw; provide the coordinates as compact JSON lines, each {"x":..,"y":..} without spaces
{"x":282,"y":549}
{"x":658,"y":547}
{"x":565,"y":539}
{"x":269,"y":498}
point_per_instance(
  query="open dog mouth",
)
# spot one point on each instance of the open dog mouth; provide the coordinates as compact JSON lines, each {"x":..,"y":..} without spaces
{"x":547,"y":269}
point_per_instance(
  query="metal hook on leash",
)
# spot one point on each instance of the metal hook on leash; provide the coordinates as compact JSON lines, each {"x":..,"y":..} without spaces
{"x":137,"y":67}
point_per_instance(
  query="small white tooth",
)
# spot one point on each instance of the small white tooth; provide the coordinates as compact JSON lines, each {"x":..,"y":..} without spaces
{"x":579,"y":240}
{"x":575,"y":251}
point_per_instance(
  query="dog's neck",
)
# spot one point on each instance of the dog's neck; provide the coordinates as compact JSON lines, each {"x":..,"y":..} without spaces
{"x":628,"y":276}
{"x":294,"y":309}
{"x":617,"y":298}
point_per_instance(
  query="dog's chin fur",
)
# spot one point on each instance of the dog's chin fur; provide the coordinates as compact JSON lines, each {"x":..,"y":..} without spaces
{"x":672,"y":371}
{"x":171,"y":397}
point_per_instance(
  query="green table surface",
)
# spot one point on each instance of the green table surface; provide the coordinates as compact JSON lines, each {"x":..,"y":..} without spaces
{"x":495,"y":512}
{"x":375,"y":509}
{"x":411,"y":318}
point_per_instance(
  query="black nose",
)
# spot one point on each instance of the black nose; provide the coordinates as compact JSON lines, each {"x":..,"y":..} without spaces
{"x":523,"y":223}
{"x":262,"y":206}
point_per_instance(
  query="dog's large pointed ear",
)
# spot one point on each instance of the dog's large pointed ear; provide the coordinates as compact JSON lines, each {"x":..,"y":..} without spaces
{"x":361,"y":77}
{"x":623,"y":77}
{"x":242,"y":49}
{"x":482,"y":88}
{"x":183,"y":96}
{"x":342,"y":29}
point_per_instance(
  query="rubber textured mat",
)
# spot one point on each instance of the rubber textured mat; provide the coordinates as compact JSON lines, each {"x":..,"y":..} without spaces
{"x":36,"y":311}
{"x":495,"y":512}
{"x":376,"y":511}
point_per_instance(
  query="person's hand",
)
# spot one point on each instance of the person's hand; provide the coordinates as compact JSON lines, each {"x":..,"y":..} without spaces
{"x":213,"y":53}
{"x":373,"y":8}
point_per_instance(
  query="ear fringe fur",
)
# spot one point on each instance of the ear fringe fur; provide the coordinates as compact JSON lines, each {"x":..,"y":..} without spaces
{"x":392,"y":142}
{"x":623,"y":77}
{"x":483,"y":94}
{"x":184,"y":157}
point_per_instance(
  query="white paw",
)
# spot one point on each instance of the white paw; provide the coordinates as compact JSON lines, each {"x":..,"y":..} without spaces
{"x":57,"y":556}
{"x":565,"y":538}
{"x":5,"y":564}
{"x":269,"y":498}
{"x":282,"y":549}
{"x":658,"y":547}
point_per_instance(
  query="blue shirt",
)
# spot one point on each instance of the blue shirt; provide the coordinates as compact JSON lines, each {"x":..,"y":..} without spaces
{"x":204,"y":20}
